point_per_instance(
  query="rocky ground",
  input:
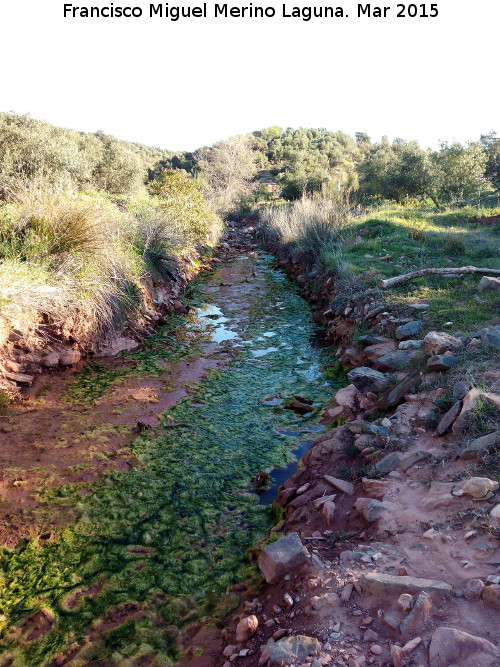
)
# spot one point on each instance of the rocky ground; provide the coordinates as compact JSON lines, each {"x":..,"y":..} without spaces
{"x":388,"y":549}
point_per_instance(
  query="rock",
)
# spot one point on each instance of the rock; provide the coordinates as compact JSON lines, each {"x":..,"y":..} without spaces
{"x":405,"y":601}
{"x":367,"y":379}
{"x":490,"y":337}
{"x":329,"y":599}
{"x":370,"y":508}
{"x":51,"y":360}
{"x":281,"y":557}
{"x":346,"y":396}
{"x":20,"y":378}
{"x":438,"y":342}
{"x":117,"y":345}
{"x":442,"y":362}
{"x":328,"y":512}
{"x":393,"y":361}
{"x":460,"y":389}
{"x":473,"y":589}
{"x":69,"y":357}
{"x":491,"y":596}
{"x":489,"y":284}
{"x":411,"y":459}
{"x":409,"y":329}
{"x":383,"y":585}
{"x":494,"y":518}
{"x":387,"y":464}
{"x":477,"y":487}
{"x":319,"y":502}
{"x":418,"y":616}
{"x":372,"y":340}
{"x":410,"y":345}
{"x":289,"y":648}
{"x":395,"y":395}
{"x":454,"y":647}
{"x":447,"y":419}
{"x":376,"y":649}
{"x":374,"y":488}
{"x":340,"y":484}
{"x":478,"y":446}
{"x":439,"y":495}
{"x":230,"y":650}
{"x":430,"y":534}
{"x":398,"y":653}
{"x":246,"y":628}
{"x":370,"y":636}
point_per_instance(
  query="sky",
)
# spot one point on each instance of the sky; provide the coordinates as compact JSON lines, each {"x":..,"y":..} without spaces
{"x":185,"y":84}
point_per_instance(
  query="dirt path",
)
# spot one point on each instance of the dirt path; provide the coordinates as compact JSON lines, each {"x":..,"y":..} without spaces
{"x":127,"y":485}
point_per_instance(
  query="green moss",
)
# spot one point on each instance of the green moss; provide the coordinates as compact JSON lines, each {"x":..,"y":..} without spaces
{"x":177,"y":526}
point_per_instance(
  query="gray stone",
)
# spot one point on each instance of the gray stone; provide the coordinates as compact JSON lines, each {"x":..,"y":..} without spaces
{"x":438,"y":342}
{"x":411,"y":459}
{"x":442,"y":362}
{"x":478,"y":446}
{"x":377,"y":583}
{"x":460,"y":389}
{"x":387,"y":464}
{"x":410,"y":344}
{"x":290,"y":648}
{"x":409,"y":329}
{"x":490,"y":337}
{"x":370,"y":508}
{"x":447,"y":419}
{"x":372,"y":340}
{"x":281,"y":557}
{"x":394,"y":361}
{"x":393,"y":397}
{"x":20,"y":378}
{"x":454,"y":647}
{"x":494,"y":518}
{"x":367,"y":379}
{"x":51,"y":360}
{"x":489,"y":284}
{"x":340,"y":484}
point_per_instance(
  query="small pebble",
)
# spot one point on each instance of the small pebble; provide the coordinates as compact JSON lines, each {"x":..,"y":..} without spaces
{"x":376,"y":649}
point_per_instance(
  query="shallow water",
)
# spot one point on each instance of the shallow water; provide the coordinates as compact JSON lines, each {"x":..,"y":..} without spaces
{"x":178,"y":526}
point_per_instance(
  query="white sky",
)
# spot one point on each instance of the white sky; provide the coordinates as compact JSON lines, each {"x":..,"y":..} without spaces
{"x":187,"y":84}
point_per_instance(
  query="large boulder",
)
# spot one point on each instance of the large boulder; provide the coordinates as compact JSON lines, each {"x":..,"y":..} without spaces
{"x":384,"y":585}
{"x":454,"y":647}
{"x":281,"y":557}
{"x":288,"y":649}
{"x":476,"y":487}
{"x":478,"y":446}
{"x":490,"y":337}
{"x":438,"y":342}
{"x":393,"y":361}
{"x":367,"y":379}
{"x":489,"y":284}
{"x":246,"y":628}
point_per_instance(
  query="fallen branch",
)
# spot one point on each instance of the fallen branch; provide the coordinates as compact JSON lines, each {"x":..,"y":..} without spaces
{"x":436,"y":272}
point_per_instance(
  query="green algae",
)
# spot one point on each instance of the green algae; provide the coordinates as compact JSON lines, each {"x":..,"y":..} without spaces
{"x":172,"y":534}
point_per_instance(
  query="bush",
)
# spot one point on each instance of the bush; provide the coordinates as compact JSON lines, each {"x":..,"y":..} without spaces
{"x":308,"y":229}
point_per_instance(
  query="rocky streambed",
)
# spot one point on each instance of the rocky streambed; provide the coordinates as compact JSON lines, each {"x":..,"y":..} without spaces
{"x":127,"y":551}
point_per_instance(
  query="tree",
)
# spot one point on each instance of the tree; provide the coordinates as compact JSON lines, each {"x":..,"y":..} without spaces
{"x":228,"y":169}
{"x":491,"y":146}
{"x":459,"y":170}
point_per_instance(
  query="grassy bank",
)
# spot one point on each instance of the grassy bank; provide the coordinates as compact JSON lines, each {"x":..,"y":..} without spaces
{"x":382,"y":242}
{"x":84,"y":264}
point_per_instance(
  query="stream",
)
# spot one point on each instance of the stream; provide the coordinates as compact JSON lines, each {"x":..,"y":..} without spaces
{"x":154,"y":549}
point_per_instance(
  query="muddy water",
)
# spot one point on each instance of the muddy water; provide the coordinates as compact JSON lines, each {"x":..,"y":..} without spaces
{"x":155,"y":548}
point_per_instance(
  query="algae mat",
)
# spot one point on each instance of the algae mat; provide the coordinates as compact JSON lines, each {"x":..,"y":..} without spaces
{"x":155,"y":548}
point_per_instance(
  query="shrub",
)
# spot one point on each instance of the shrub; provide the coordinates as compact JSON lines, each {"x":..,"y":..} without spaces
{"x":309,"y":228}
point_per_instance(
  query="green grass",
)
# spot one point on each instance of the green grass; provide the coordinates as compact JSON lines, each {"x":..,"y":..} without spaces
{"x":417,"y":238}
